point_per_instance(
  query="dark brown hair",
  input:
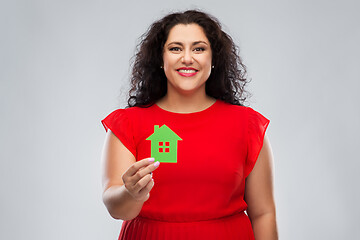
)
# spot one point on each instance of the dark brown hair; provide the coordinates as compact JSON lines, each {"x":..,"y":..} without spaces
{"x":148,"y":81}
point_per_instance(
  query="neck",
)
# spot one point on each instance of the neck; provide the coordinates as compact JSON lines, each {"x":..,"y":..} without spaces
{"x":185,"y":103}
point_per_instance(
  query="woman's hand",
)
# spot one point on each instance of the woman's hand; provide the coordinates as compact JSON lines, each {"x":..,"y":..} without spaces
{"x":138,"y":179}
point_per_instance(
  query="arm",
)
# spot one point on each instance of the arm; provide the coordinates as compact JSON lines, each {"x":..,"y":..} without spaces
{"x":115,"y":161}
{"x":259,"y":195}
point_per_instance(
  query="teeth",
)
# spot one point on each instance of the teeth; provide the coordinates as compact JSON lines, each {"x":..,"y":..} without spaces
{"x":186,"y":71}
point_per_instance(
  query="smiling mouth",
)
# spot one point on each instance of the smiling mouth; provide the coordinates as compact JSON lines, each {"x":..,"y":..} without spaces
{"x":187,"y":70}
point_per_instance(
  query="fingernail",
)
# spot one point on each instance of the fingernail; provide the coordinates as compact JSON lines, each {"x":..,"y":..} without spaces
{"x":157,"y":164}
{"x":151,"y":159}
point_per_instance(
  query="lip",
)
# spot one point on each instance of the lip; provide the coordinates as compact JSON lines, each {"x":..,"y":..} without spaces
{"x":186,"y":68}
{"x":187,"y":74}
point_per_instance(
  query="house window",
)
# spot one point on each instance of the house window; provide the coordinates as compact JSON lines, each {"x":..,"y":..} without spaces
{"x":165,"y":148}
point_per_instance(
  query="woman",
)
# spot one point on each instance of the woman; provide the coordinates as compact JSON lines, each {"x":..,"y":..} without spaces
{"x":185,"y":110}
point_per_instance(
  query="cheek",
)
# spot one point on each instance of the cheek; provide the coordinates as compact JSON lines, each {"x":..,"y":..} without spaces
{"x":168,"y":68}
{"x":206,"y":60}
{"x":207,"y":68}
{"x":168,"y":63}
{"x":207,"y":64}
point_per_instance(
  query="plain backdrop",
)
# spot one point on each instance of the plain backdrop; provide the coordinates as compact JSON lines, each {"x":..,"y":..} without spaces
{"x":65,"y":66}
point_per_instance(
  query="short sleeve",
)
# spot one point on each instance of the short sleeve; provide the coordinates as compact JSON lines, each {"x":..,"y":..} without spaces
{"x":257,"y":125}
{"x":119,"y":124}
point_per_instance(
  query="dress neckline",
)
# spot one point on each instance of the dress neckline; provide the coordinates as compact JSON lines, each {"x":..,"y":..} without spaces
{"x":206,"y":110}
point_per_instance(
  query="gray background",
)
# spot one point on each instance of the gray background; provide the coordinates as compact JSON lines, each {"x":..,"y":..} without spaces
{"x":64,"y":67}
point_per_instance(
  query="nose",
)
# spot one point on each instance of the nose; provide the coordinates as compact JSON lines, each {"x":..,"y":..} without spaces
{"x":187,"y":57}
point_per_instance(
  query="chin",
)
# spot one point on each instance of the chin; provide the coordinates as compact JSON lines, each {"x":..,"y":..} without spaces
{"x":188,"y":90}
{"x":186,"y":86}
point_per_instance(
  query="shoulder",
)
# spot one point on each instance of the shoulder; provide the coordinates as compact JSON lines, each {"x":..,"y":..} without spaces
{"x":232,"y":108}
{"x":240,"y":111}
{"x":138,"y":111}
{"x":132,"y":111}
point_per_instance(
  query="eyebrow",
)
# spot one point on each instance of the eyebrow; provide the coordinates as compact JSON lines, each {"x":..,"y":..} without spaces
{"x":194,"y":43}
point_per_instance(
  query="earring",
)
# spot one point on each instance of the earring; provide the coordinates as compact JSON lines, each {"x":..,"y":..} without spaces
{"x":161,"y":66}
{"x":212,"y":66}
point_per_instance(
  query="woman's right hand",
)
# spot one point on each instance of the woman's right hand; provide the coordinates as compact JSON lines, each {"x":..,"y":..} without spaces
{"x":138,"y":179}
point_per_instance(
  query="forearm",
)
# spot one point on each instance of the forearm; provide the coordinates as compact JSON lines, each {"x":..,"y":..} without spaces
{"x":120,"y":204}
{"x":265,"y":227}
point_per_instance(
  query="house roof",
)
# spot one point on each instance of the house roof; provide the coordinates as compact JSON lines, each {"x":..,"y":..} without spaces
{"x":163,"y":133}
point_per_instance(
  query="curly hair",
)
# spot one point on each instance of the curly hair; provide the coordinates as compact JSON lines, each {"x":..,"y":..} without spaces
{"x":148,"y":81}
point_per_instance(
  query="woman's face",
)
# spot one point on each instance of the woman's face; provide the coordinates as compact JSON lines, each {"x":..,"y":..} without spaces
{"x":187,"y":59}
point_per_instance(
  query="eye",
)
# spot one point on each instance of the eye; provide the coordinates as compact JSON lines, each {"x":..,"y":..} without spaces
{"x":199,"y":49}
{"x":175,"y":49}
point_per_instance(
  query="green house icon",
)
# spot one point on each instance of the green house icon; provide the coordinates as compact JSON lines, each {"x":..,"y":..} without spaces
{"x":164,"y":144}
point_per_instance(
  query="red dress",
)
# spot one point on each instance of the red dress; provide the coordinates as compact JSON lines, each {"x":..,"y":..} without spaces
{"x":201,"y":195}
